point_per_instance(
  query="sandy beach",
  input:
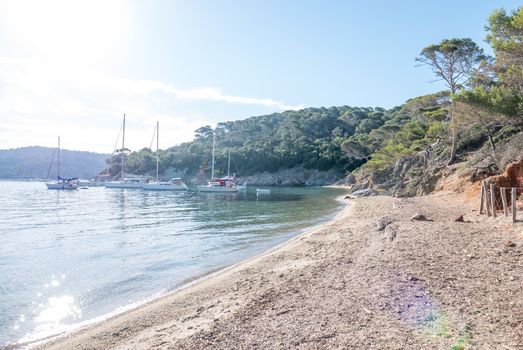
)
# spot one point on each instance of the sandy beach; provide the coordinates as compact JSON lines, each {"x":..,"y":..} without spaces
{"x":371,"y":278}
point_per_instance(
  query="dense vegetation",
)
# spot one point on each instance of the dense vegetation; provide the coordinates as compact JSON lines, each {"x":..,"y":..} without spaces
{"x":482,"y":106}
{"x":34,"y":163}
{"x":313,"y":138}
{"x":341,"y":138}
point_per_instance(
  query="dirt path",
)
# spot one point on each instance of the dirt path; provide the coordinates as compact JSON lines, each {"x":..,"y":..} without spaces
{"x":371,"y":279}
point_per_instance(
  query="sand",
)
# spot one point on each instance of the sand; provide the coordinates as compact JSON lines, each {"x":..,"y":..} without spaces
{"x":372,"y":278}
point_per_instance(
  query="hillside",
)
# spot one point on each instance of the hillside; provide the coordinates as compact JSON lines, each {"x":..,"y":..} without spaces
{"x":33,"y":163}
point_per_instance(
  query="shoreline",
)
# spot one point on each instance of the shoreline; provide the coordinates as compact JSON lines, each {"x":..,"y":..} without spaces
{"x":347,"y":284}
{"x":186,"y":284}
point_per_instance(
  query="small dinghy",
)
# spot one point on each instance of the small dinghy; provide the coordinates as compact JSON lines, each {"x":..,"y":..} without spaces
{"x":263,"y":191}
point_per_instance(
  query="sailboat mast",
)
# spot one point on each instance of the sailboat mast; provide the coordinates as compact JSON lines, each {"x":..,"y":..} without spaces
{"x":58,"y":171}
{"x":229,"y":165}
{"x":122,"y":153}
{"x":157,"y":146}
{"x":213,"y":144}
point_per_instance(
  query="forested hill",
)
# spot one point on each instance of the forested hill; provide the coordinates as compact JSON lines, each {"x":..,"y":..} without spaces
{"x":33,"y":163}
{"x":311,"y":138}
{"x":335,"y":138}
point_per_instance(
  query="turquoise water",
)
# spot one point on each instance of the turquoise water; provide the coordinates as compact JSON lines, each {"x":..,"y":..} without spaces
{"x":67,"y":258}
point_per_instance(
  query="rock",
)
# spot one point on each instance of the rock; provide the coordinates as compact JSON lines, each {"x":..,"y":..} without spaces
{"x":460,"y":219}
{"x":420,"y":217}
{"x":363,"y":193}
{"x":390,"y":233}
{"x":511,"y":244}
{"x":411,"y":175}
{"x":382,"y":223}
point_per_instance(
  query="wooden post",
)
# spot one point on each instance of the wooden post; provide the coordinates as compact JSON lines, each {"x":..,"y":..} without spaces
{"x":504,"y":200}
{"x":493,"y":200}
{"x":487,"y":201}
{"x":513,"y":205}
{"x":481,"y":197}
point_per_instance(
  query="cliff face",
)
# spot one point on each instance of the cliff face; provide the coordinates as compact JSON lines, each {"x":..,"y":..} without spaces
{"x":412,"y":175}
{"x":422,"y":173}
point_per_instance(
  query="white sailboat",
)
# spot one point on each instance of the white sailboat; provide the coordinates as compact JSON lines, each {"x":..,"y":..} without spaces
{"x":61,"y":183}
{"x":124,"y":182}
{"x":226,"y":184}
{"x":175,"y":184}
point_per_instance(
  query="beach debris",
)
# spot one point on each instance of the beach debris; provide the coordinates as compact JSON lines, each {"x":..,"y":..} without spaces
{"x":366,"y":310}
{"x":460,"y":219}
{"x":382,"y":223}
{"x":420,"y":217}
{"x":511,"y":244}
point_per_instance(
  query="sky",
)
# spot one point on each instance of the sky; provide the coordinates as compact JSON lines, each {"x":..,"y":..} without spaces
{"x":73,"y":68}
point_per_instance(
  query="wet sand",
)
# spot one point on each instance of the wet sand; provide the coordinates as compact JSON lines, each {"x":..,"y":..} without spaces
{"x":371,"y":278}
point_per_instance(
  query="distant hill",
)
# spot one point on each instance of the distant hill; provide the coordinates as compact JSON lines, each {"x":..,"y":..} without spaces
{"x":33,"y":163}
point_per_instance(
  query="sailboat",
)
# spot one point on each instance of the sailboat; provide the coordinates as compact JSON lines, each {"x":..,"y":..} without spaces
{"x":226,"y":184}
{"x":125,"y":182}
{"x":173,"y":184}
{"x":61,"y":183}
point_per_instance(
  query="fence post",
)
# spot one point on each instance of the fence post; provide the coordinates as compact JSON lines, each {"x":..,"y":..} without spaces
{"x":487,"y":201}
{"x":513,"y":205}
{"x":481,"y":197}
{"x":493,"y":200}
{"x":504,"y":200}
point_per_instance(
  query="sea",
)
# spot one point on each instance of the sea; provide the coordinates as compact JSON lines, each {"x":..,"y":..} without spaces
{"x":70,"y":258}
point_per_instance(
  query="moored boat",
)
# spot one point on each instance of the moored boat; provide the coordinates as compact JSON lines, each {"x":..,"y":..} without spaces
{"x":124,"y":182}
{"x":226,"y":184}
{"x":127,"y":182}
{"x":175,"y":184}
{"x":62,"y":183}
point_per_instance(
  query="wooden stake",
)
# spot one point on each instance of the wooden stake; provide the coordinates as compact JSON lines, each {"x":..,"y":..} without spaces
{"x":504,"y":200}
{"x":481,"y":197}
{"x":513,"y":205}
{"x":487,"y":202}
{"x":493,"y":200}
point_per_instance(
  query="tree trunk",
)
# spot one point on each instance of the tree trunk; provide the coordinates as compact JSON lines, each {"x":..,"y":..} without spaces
{"x":454,"y":141}
{"x":491,"y":141}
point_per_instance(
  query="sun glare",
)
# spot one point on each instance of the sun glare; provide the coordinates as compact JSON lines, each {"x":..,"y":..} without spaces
{"x":66,"y":30}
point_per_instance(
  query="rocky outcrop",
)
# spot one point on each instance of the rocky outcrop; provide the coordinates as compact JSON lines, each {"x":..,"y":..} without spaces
{"x":298,"y":176}
{"x":511,"y":177}
{"x":412,"y":175}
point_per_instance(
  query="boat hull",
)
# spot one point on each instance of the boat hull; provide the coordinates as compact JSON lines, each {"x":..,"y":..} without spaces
{"x":61,"y":186}
{"x":117,"y":184}
{"x":91,"y":183}
{"x":159,"y":186}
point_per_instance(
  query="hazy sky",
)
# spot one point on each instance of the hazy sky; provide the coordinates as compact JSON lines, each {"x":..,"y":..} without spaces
{"x":72,"y":68}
